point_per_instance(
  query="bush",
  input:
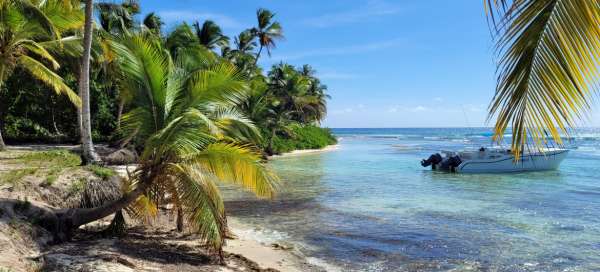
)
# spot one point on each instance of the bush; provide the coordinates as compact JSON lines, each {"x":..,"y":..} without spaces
{"x":303,"y":137}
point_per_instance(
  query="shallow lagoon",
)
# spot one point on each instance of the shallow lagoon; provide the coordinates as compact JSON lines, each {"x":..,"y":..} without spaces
{"x":370,"y":206}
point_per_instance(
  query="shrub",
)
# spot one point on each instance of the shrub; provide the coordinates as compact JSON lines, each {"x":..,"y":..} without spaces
{"x":303,"y":137}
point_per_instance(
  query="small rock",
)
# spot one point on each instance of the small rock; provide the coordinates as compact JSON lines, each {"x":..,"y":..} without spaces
{"x":120,"y":157}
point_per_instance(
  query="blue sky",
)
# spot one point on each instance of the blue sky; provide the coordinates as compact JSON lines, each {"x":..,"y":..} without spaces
{"x":410,"y":63}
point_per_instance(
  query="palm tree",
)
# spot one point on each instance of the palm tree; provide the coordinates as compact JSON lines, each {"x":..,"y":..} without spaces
{"x":88,"y":154}
{"x":267,"y":32}
{"x":549,"y":66}
{"x":29,"y":33}
{"x":115,"y":18}
{"x":184,"y":113}
{"x":242,"y":55}
{"x":210,"y":35}
{"x":181,"y":37}
{"x":244,"y":42}
{"x":154,"y":23}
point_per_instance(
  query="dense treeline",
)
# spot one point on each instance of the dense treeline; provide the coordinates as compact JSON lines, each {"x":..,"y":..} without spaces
{"x":281,"y":99}
{"x":195,"y":106}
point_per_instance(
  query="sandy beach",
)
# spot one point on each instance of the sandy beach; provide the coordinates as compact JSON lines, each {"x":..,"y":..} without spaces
{"x":307,"y":151}
{"x":267,"y":256}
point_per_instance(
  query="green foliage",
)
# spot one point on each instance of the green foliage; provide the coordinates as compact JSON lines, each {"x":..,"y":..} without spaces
{"x":101,"y":172}
{"x":77,"y":186}
{"x":185,"y":114}
{"x":303,"y":137}
{"x":15,"y":177}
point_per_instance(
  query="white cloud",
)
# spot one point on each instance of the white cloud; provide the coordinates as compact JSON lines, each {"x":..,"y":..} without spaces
{"x":372,"y":9}
{"x":174,"y":16}
{"x":343,"y":50}
{"x":438,"y":99}
{"x":419,"y":108}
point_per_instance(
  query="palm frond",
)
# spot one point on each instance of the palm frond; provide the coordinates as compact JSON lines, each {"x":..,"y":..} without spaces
{"x":68,"y":46}
{"x":548,"y":69}
{"x":202,"y":204}
{"x":34,"y":13}
{"x":39,"y":50}
{"x":237,"y":164}
{"x":41,"y":72}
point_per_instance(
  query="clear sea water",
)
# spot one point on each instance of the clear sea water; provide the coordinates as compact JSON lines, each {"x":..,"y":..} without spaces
{"x":370,"y":206}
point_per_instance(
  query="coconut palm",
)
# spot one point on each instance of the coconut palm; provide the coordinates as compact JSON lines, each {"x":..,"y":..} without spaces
{"x":193,"y":137}
{"x":266,"y":31}
{"x":181,"y":37}
{"x":115,"y":18}
{"x":549,"y":66}
{"x":210,"y":35}
{"x":242,"y":55}
{"x":244,"y":42}
{"x":30,"y":31}
{"x":88,"y":153}
{"x":154,"y":23}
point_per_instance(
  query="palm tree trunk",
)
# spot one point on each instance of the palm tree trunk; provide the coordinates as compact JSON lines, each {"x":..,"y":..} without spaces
{"x":270,"y":146}
{"x":88,"y":154}
{"x":2,"y":145}
{"x":179,"y":219}
{"x":120,"y":113}
{"x":258,"y":54}
{"x":65,"y":222}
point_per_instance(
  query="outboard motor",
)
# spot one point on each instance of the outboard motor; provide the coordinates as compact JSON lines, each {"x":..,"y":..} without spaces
{"x":433,"y":160}
{"x":454,"y":162}
{"x":450,"y":164}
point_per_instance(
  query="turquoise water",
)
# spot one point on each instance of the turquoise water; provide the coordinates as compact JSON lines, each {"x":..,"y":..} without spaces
{"x":370,"y":206}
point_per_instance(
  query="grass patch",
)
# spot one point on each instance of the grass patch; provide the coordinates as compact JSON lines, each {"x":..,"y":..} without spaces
{"x":77,"y":186}
{"x":51,"y":176}
{"x":55,"y":157}
{"x":101,"y":172}
{"x":15,"y":177}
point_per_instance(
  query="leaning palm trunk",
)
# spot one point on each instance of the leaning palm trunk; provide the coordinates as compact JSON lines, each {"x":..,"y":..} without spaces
{"x":64,"y":222}
{"x":88,"y":155}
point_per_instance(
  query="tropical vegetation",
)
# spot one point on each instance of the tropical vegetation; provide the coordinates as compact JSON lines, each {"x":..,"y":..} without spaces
{"x":196,"y":107}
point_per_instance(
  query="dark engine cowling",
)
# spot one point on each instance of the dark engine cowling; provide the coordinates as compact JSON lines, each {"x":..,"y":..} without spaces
{"x":433,"y":160}
{"x":451,"y":163}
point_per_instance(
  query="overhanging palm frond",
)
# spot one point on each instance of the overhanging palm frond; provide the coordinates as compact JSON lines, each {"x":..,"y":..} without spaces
{"x":68,"y":46}
{"x":202,"y":204}
{"x":41,"y":72}
{"x":39,"y":50}
{"x":549,"y":67}
{"x":34,"y":13}
{"x":239,"y":165}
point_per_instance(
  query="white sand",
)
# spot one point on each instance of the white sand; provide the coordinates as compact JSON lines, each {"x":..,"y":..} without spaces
{"x":265,"y":255}
{"x":307,"y":151}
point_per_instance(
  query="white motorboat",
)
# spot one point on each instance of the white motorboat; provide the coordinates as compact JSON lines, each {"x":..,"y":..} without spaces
{"x":496,"y":160}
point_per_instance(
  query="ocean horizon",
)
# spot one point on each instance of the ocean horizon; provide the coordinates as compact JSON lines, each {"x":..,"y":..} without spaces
{"x":370,"y":206}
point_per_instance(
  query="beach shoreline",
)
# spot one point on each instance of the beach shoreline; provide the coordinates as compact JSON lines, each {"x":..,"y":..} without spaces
{"x":266,"y":255}
{"x":301,"y":152}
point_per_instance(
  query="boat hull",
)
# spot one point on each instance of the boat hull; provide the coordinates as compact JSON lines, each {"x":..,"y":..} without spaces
{"x":530,"y":162}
